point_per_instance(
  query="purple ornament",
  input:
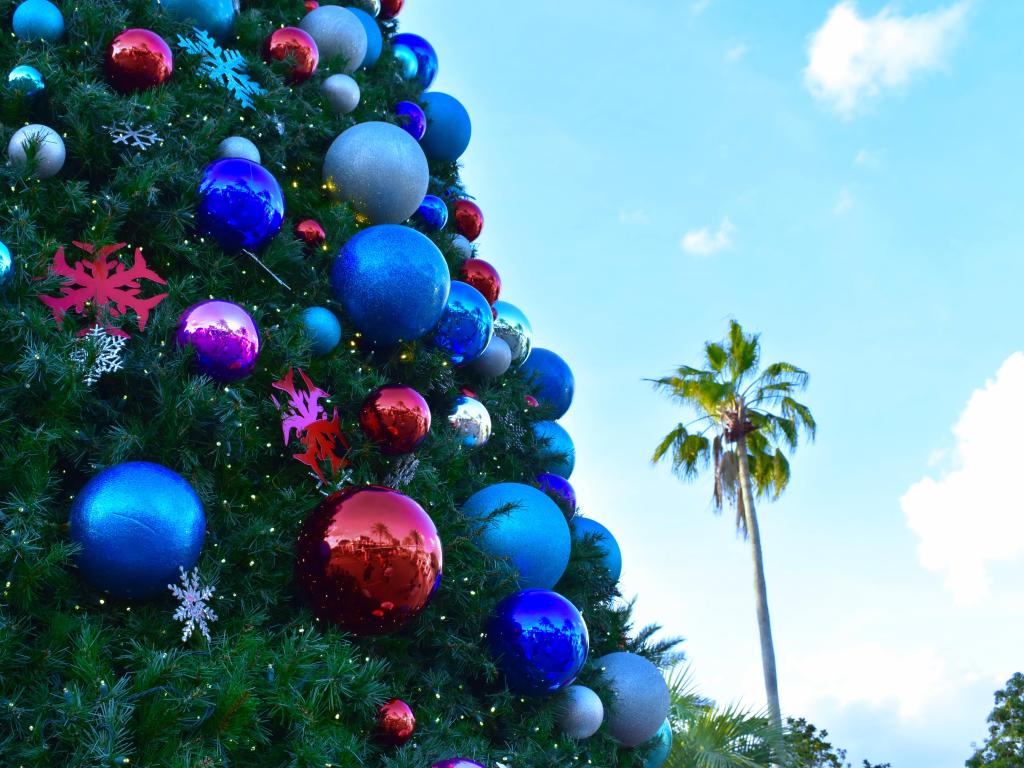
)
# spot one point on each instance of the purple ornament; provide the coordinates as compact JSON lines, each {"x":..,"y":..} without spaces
{"x":224,"y":336}
{"x":412,"y":118}
{"x":457,"y":762}
{"x":558,"y":488}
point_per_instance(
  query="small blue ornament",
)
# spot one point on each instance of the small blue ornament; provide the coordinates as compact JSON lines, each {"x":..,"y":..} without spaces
{"x":408,"y":67}
{"x":662,"y":746}
{"x":241,"y":206}
{"x":448,"y":127}
{"x":539,"y":641}
{"x":374,"y":38}
{"x":561,"y":492}
{"x":532,"y":532}
{"x":612,"y":560}
{"x":552,"y":378}
{"x":426,"y":57}
{"x":466,"y":326}
{"x":556,"y":451}
{"x":323,"y":329}
{"x":412,"y":118}
{"x":432,"y":214}
{"x":392,"y":282}
{"x":6,"y":265}
{"x":136,"y":524}
{"x":27,"y":80}
{"x":38,"y":20}
{"x":215,"y":16}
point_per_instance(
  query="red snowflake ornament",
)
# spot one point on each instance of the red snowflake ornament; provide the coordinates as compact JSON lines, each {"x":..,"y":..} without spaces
{"x":303,"y":415}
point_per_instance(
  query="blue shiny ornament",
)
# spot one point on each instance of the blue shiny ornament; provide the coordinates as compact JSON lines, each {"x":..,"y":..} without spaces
{"x":392,"y":282}
{"x":241,"y":205}
{"x":532,"y":534}
{"x":448,"y":127}
{"x":215,"y":16}
{"x":612,"y":560}
{"x":513,"y":326}
{"x":411,"y":118}
{"x":561,"y":492}
{"x":426,"y":57}
{"x":408,"y":67}
{"x":556,"y":450}
{"x":466,"y":326}
{"x":136,"y":524}
{"x":432,"y":213}
{"x":6,"y":265}
{"x":662,"y":746}
{"x":27,"y":80}
{"x":539,"y":641}
{"x":552,"y":378}
{"x":38,"y":20}
{"x":323,"y":329}
{"x":374,"y":38}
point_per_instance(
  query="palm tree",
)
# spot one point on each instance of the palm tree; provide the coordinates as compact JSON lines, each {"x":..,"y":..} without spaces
{"x":744,"y":416}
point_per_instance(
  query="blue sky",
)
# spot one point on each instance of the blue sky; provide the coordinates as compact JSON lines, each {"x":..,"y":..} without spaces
{"x":843,"y":178}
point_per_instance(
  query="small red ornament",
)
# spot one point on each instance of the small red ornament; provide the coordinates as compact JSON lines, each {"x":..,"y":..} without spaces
{"x":390,"y":8}
{"x":311,"y":233}
{"x":368,"y":560}
{"x":303,"y":415}
{"x":138,"y":59}
{"x":532,"y":402}
{"x":295,"y":46}
{"x":395,"y":417}
{"x":311,"y":5}
{"x":468,"y":393}
{"x":395,"y":723}
{"x":482,"y":276}
{"x":469,"y":219}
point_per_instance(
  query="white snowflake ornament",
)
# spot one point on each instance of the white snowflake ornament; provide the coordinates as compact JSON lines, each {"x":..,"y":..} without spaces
{"x":142,"y":138}
{"x":98,"y":352}
{"x":193,"y":608}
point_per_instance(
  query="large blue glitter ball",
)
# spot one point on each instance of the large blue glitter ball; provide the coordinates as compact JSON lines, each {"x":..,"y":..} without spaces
{"x":539,"y":641}
{"x":466,"y":327}
{"x":38,"y":20}
{"x":612,"y":560}
{"x":432,"y":214}
{"x":136,"y":524}
{"x":215,"y":16}
{"x":556,"y":450}
{"x":393,"y":283}
{"x":323,"y":329}
{"x":552,"y":378}
{"x":241,"y":206}
{"x":426,"y":57}
{"x":27,"y":80}
{"x":448,"y":127}
{"x":641,"y":698}
{"x":6,"y":265}
{"x":374,"y":38}
{"x":533,"y":534}
{"x":662,"y":746}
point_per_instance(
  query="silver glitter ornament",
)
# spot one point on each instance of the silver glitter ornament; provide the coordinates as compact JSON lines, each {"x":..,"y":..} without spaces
{"x":512,"y":326}
{"x":494,"y":360}
{"x":342,"y":93}
{"x":471,"y":420}
{"x":641,"y":698}
{"x":580,"y":712}
{"x":337,"y":32}
{"x":463,"y":247}
{"x":239,"y":146}
{"x":45,"y":146}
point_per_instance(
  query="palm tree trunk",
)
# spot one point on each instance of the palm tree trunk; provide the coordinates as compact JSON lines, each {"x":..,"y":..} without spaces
{"x":764,"y":625}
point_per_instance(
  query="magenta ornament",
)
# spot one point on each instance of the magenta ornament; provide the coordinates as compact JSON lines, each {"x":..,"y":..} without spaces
{"x":224,"y":337}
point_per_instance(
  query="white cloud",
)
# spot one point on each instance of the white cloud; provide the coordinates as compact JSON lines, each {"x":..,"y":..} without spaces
{"x":699,"y":6}
{"x":973,"y":515}
{"x":843,"y":203}
{"x":704,"y":242}
{"x":736,"y":52}
{"x":852,"y":58}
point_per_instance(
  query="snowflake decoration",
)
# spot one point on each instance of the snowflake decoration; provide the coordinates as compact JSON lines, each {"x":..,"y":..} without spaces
{"x":225,"y":67}
{"x":193,"y":609}
{"x":98,"y":352}
{"x":303,"y":414}
{"x":514,"y":430}
{"x":403,"y":473}
{"x":139,"y":138}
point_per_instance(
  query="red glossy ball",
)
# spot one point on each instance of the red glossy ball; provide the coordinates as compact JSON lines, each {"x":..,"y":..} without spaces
{"x":368,"y":560}
{"x":482,"y":276}
{"x":295,"y":46}
{"x":138,"y":59}
{"x":390,"y":8}
{"x":469,"y":219}
{"x":395,"y":723}
{"x":396,"y":418}
{"x":532,"y":402}
{"x":311,"y":5}
{"x":311,"y":233}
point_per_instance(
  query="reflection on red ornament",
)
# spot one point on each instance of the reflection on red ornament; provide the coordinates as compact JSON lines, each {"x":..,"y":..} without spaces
{"x":469,"y":219}
{"x":138,"y":59}
{"x":396,"y":418}
{"x":395,"y":723}
{"x":390,"y":8}
{"x":311,"y":5}
{"x":482,"y":276}
{"x":311,"y":233}
{"x":532,"y":401}
{"x":295,"y":46}
{"x":468,"y":393}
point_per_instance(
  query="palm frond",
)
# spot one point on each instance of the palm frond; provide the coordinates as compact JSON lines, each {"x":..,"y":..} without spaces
{"x":800,"y":414}
{"x":689,"y":452}
{"x":744,"y":352}
{"x":716,"y":356}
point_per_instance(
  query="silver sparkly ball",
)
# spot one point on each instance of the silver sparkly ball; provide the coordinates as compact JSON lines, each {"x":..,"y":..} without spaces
{"x":239,"y":146}
{"x":512,"y":326}
{"x":580,"y":712}
{"x":463,"y":247}
{"x":380,"y":169}
{"x":337,"y":32}
{"x":372,"y":7}
{"x":641,"y":698}
{"x":44,"y":144}
{"x":471,"y":420}
{"x":494,"y":360}
{"x":342,"y":93}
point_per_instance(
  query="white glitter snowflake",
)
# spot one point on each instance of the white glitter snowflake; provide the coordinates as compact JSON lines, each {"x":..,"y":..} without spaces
{"x":403,"y":473}
{"x":344,"y":478}
{"x":99,"y":352}
{"x":142,"y":138}
{"x":193,"y":610}
{"x":226,"y":67}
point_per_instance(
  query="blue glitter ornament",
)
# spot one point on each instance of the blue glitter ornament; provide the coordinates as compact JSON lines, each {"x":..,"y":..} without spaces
{"x":392,"y":282}
{"x":556,"y":450}
{"x":552,"y":378}
{"x":533,"y":534}
{"x":408,"y":67}
{"x":539,"y":641}
{"x":411,"y":118}
{"x":466,"y":327}
{"x":426,"y":57}
{"x":136,"y":524}
{"x":323,"y":329}
{"x":374,"y":38}
{"x":432,"y":214}
{"x":448,"y":127}
{"x":215,"y":16}
{"x":662,"y":746}
{"x":26,"y":80}
{"x":612,"y":560}
{"x":6,"y":265}
{"x":38,"y":20}
{"x":241,"y":205}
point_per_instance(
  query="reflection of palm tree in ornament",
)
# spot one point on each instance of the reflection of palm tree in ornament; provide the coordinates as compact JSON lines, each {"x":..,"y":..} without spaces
{"x":382,"y":532}
{"x":414,"y":539}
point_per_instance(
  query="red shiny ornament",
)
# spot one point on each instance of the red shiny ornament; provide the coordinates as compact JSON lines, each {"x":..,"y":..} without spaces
{"x":482,"y":276}
{"x":468,"y":393}
{"x":395,"y":723}
{"x":469,"y":219}
{"x":311,"y":5}
{"x":295,"y":46}
{"x":390,"y":8}
{"x":311,"y":233}
{"x":532,"y":402}
{"x":138,"y":59}
{"x":395,"y":417}
{"x":368,"y":560}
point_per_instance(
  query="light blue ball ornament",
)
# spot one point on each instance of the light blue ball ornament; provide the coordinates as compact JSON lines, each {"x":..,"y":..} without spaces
{"x":426,"y":57}
{"x":408,"y":66}
{"x":6,"y":265}
{"x":533,"y":535}
{"x":467,"y":325}
{"x":215,"y":16}
{"x":392,"y":282}
{"x":448,"y":127}
{"x":612,"y":560}
{"x":662,"y":746}
{"x":552,"y":378}
{"x":556,"y":450}
{"x":323,"y":329}
{"x":374,"y":38}
{"x":26,"y":80}
{"x":471,"y":420}
{"x":136,"y":524}
{"x":38,"y":20}
{"x":640,"y":697}
{"x":511,"y":325}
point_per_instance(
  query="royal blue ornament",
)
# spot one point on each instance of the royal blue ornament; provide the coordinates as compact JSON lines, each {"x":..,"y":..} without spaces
{"x":136,"y":524}
{"x":392,"y":282}
{"x":215,"y":16}
{"x":552,"y":379}
{"x":466,"y":327}
{"x":241,"y":206}
{"x":612,"y":560}
{"x":532,"y":533}
{"x":374,"y":38}
{"x":432,"y":214}
{"x":411,"y":118}
{"x":408,"y":67}
{"x":26,"y":80}
{"x":448,"y":127}
{"x":426,"y":57}
{"x":6,"y":265}
{"x":539,"y":641}
{"x":559,"y":489}
{"x":38,"y":20}
{"x":556,"y":450}
{"x":323,"y":329}
{"x":662,"y":746}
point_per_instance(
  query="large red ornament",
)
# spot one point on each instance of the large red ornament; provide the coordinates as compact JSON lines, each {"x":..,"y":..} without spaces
{"x":369,"y":560}
{"x":295,"y":46}
{"x":311,"y":233}
{"x":138,"y":59}
{"x":395,"y":723}
{"x":469,"y":219}
{"x":390,"y":8}
{"x":482,"y":276}
{"x":396,"y":418}
{"x":303,"y":415}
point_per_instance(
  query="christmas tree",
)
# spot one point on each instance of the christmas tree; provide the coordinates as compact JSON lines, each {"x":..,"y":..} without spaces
{"x":281,"y":478}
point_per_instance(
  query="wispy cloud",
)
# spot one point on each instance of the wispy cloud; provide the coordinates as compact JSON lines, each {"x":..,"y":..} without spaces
{"x":704,"y":242}
{"x":843,"y":203}
{"x":865,"y":158}
{"x":699,"y":6}
{"x":737,"y":52}
{"x":635,"y":216}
